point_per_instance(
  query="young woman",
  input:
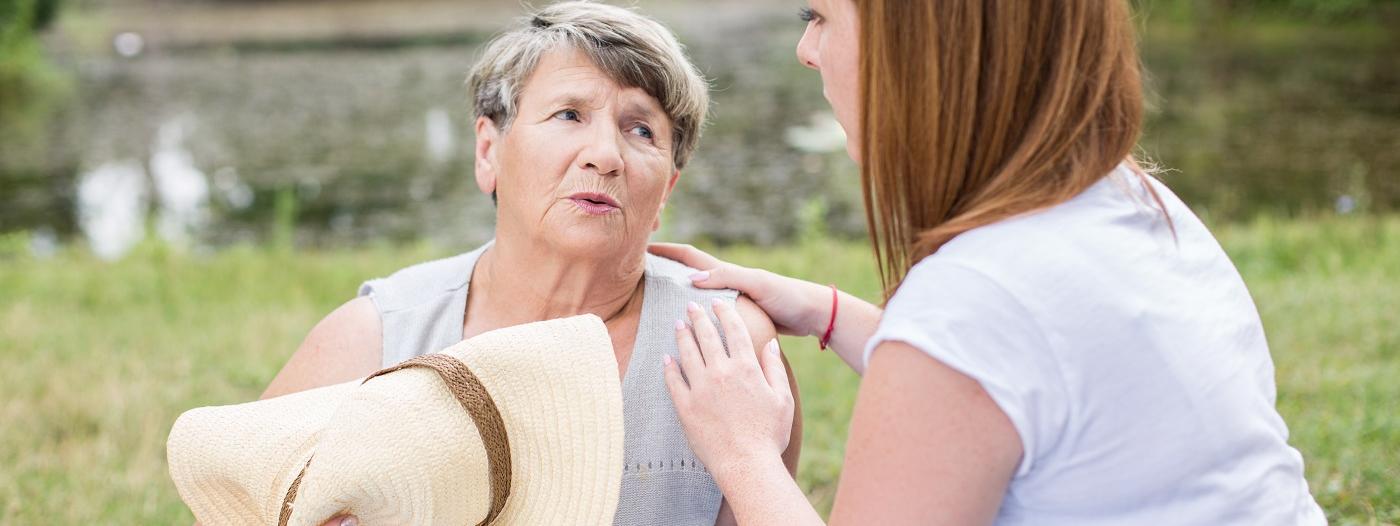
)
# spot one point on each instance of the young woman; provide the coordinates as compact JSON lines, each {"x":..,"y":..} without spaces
{"x":1063,"y":341}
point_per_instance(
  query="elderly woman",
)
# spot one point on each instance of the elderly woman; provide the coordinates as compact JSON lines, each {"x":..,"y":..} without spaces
{"x":586,"y":115}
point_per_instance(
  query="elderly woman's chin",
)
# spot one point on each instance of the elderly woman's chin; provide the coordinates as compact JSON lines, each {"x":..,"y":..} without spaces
{"x":587,"y":234}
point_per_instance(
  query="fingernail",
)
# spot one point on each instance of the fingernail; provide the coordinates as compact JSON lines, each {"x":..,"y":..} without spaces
{"x":350,"y":521}
{"x":700,"y":276}
{"x":680,"y":325}
{"x":773,"y":346}
{"x":666,"y":359}
{"x":692,"y":306}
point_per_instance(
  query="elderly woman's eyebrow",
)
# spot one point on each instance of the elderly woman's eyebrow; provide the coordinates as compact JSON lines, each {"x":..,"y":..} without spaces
{"x":648,"y":109}
{"x":642,"y":111}
{"x":574,"y":100}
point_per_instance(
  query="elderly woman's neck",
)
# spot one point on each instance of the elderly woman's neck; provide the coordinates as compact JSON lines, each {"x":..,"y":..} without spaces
{"x":524,"y":283}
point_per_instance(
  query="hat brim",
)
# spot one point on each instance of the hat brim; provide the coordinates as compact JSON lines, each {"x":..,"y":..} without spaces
{"x":399,"y":449}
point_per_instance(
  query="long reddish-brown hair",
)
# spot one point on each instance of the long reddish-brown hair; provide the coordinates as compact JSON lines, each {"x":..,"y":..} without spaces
{"x":974,"y":111}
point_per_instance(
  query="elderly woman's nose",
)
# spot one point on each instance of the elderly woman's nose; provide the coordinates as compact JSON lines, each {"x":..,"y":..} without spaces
{"x":603,"y":153}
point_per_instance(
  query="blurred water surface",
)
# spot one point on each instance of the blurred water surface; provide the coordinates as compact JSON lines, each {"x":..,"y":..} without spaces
{"x":341,"y":139}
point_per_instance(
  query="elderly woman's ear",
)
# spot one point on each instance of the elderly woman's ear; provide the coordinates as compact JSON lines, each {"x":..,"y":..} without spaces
{"x":487,"y":137}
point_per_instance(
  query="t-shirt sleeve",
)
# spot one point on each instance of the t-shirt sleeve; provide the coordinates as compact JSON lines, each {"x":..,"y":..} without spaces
{"x":969,"y":322}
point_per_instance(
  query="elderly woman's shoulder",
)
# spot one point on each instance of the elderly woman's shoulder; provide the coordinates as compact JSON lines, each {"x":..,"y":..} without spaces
{"x":343,"y":346}
{"x":447,"y":272}
{"x":411,"y":284}
{"x":675,"y":272}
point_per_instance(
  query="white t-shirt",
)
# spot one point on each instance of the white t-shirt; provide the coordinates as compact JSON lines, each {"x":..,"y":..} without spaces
{"x":1133,"y":367}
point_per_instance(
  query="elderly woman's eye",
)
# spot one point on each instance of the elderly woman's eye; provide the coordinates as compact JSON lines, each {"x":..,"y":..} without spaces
{"x":807,"y":14}
{"x":568,"y":115}
{"x":643,"y":131}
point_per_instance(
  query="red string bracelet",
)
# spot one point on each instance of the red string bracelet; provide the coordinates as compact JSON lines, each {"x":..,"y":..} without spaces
{"x":830,"y":325}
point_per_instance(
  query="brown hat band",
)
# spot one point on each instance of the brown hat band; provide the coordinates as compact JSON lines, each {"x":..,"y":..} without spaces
{"x":469,"y":392}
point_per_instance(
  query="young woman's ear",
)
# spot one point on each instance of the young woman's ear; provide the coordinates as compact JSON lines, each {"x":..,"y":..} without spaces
{"x":670,"y":185}
{"x":488,"y":136}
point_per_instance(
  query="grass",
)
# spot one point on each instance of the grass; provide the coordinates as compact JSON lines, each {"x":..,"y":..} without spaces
{"x":100,"y":358}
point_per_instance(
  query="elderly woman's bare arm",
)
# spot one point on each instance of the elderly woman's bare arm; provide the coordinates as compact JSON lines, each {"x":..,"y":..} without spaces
{"x":346,"y":344}
{"x":761,"y":330}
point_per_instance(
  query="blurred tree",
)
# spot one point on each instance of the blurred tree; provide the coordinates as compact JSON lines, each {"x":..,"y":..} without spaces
{"x":30,"y":88}
{"x":37,"y":14}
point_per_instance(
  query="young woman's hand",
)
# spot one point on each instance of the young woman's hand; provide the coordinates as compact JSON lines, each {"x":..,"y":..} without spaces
{"x":736,"y":406}
{"x":797,"y":307}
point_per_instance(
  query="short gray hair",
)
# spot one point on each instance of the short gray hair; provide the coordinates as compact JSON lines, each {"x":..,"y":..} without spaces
{"x":632,"y":49}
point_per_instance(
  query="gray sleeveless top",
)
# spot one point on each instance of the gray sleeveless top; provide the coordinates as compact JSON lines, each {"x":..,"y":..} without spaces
{"x":421,"y":309}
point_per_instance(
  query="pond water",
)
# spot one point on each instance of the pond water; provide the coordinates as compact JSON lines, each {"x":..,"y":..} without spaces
{"x":346,"y":144}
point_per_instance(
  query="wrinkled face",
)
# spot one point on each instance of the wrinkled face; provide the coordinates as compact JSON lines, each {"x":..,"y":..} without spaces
{"x":586,"y":165}
{"x":831,"y":46}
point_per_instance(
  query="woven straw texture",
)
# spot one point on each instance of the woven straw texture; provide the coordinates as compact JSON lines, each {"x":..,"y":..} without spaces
{"x":400,"y":449}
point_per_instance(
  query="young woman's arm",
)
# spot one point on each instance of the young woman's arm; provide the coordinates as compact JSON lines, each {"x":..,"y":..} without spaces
{"x":927,"y":444}
{"x":761,"y":330}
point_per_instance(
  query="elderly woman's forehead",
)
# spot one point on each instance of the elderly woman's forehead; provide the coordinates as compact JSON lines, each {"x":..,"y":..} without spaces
{"x":570,"y":75}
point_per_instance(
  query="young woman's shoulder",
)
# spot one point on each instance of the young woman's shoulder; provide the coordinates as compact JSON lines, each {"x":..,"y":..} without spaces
{"x":1108,"y":242}
{"x":345,"y":345}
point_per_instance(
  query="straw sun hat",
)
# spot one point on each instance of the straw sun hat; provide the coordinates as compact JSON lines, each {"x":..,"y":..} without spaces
{"x":535,"y":408}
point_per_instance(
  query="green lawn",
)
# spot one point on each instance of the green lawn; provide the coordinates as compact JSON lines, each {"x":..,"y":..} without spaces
{"x":100,"y":358}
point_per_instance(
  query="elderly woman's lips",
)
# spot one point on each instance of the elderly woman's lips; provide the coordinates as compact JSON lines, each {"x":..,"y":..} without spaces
{"x":592,"y":206}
